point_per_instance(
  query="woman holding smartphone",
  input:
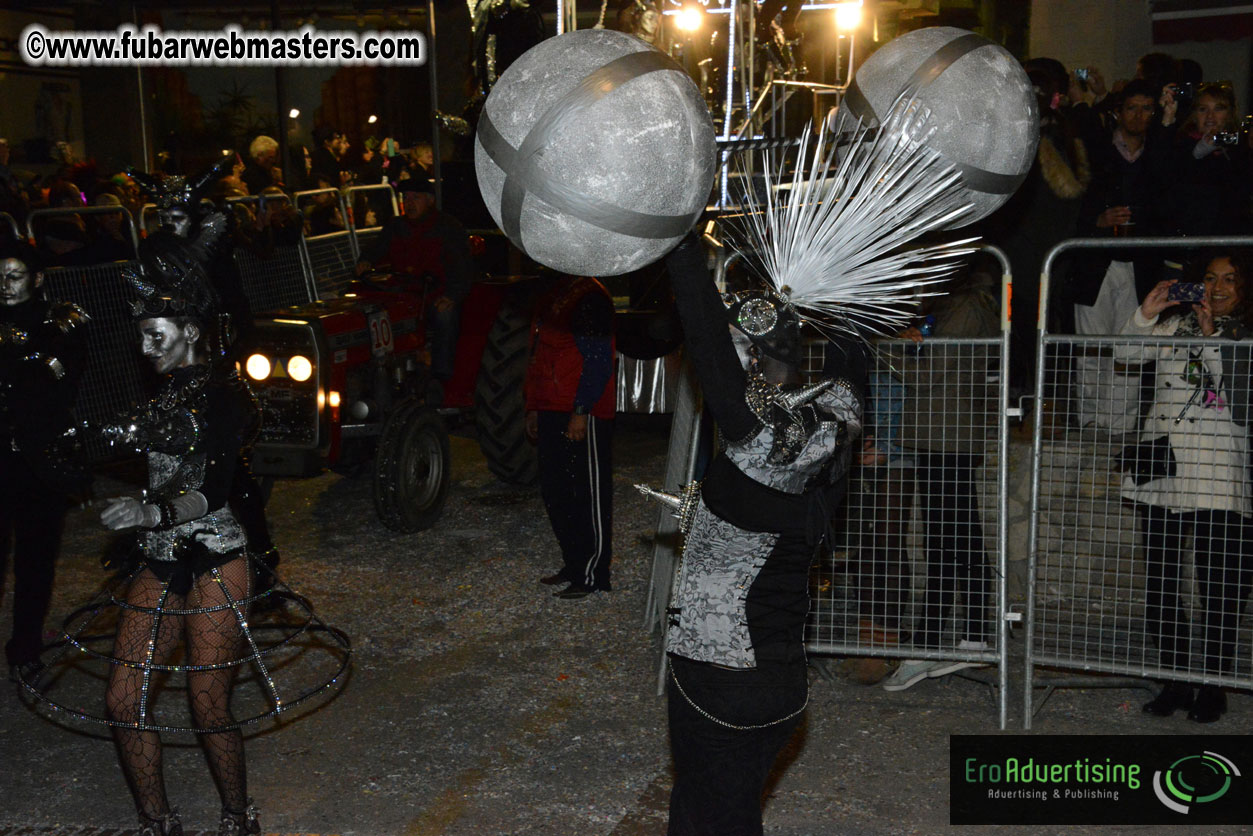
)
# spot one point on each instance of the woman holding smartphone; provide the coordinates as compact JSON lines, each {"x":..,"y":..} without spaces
{"x":1201,"y":406}
{"x":1205,"y":189}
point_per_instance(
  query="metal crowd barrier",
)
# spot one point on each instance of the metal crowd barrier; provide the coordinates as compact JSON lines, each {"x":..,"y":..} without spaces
{"x":8,"y":220}
{"x":921,"y":536}
{"x":368,"y":230}
{"x":114,"y":380}
{"x":332,"y":256}
{"x":39,"y":214}
{"x":278,"y":278}
{"x":1122,"y":590}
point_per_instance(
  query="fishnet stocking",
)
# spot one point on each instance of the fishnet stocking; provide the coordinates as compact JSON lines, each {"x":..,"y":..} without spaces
{"x":140,"y":751}
{"x":212,"y":638}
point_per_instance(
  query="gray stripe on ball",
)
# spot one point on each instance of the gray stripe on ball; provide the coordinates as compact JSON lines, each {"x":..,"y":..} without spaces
{"x":974,"y":178}
{"x":943,"y":58}
{"x":521,"y":165}
{"x":989,"y":182}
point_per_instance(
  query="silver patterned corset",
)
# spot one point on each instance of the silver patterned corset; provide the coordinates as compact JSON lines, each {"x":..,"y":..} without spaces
{"x":218,"y":531}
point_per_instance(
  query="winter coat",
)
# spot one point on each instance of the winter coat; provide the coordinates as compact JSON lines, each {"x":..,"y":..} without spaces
{"x":1211,"y":442}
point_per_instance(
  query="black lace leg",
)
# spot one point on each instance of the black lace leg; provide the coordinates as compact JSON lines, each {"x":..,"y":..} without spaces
{"x":214,"y":638}
{"x":139,"y":751}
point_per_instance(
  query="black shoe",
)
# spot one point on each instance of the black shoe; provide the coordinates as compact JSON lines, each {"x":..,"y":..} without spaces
{"x":553,"y":580}
{"x":573,"y":592}
{"x":1174,"y":696}
{"x":1209,"y":705}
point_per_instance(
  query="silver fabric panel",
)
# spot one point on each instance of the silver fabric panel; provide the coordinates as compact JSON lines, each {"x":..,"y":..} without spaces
{"x":647,"y":386}
{"x":720,"y":562}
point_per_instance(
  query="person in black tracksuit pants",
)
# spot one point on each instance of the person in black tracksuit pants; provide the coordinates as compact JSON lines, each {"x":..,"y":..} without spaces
{"x":570,"y":395}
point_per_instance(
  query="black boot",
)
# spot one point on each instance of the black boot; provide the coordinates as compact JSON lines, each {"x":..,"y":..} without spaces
{"x":167,"y":825}
{"x":243,"y":823}
{"x":1210,"y":704}
{"x":1174,"y":696}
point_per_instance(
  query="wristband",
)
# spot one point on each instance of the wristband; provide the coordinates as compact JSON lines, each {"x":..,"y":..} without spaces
{"x":580,"y":410}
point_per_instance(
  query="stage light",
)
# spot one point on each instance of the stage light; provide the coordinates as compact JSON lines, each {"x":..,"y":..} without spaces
{"x":294,"y":113}
{"x":372,"y":119}
{"x":848,"y":16}
{"x":689,"y":18}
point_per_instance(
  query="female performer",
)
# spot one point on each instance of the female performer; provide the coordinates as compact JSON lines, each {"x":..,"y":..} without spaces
{"x":195,"y":582}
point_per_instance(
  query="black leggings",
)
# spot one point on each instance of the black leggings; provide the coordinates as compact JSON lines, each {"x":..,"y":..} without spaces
{"x":953,"y":533}
{"x":720,"y":772}
{"x":1223,"y":575}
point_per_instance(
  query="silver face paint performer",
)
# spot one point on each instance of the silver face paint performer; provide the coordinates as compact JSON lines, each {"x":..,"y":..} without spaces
{"x":192,"y":577}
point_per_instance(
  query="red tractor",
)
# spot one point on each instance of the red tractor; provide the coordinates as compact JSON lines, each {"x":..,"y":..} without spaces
{"x":344,"y":383}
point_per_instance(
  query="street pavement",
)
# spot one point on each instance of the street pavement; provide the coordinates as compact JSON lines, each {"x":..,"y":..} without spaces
{"x":479,"y":704}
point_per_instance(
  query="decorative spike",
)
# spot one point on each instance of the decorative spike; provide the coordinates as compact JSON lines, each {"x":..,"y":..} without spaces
{"x":198,"y":185}
{"x":148,"y":184}
{"x":791,"y":401}
{"x":673,"y":501}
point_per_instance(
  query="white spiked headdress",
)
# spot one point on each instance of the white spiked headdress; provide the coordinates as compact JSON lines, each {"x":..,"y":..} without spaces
{"x":830,"y":240}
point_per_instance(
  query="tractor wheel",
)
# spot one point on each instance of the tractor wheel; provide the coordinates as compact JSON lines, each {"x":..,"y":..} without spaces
{"x":499,"y":406}
{"x":411,"y":468}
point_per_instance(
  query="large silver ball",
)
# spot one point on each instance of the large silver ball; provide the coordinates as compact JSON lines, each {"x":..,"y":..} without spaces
{"x":595,"y":153}
{"x":980,"y":99}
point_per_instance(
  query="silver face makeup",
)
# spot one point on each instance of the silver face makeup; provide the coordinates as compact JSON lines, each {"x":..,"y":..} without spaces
{"x":17,"y":285}
{"x":167,"y":345}
{"x":177,"y":220}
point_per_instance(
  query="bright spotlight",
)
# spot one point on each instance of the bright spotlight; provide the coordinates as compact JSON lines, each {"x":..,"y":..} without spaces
{"x":848,"y":16}
{"x":372,"y":119}
{"x":294,"y":113}
{"x":689,"y":18}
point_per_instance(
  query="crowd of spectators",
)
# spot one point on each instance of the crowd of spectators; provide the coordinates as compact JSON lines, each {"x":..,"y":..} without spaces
{"x":96,"y":234}
{"x":1161,"y":154}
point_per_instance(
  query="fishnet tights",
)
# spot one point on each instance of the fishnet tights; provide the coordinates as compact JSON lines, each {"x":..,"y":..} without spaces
{"x":212,"y":638}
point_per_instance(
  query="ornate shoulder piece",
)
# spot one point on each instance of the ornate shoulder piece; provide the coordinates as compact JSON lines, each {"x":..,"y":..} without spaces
{"x":67,"y":316}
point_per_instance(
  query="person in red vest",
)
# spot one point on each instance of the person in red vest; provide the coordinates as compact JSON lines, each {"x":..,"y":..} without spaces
{"x":427,"y":242}
{"x":570,"y":395}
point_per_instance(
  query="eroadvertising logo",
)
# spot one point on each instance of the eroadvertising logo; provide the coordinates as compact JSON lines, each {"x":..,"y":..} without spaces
{"x":1211,"y":775}
{"x":1104,"y":779}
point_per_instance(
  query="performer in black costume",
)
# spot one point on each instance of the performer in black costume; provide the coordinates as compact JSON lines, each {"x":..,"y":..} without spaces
{"x":182,"y":215}
{"x":753,"y":527}
{"x":42,"y":354}
{"x":195,"y":581}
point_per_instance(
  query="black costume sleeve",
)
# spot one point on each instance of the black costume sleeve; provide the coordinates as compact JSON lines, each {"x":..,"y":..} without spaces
{"x":591,"y":325}
{"x":708,"y":340}
{"x":848,"y":357}
{"x":227,"y":417}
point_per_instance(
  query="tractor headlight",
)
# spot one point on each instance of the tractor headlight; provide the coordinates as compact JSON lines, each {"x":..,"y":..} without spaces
{"x":258,"y":367}
{"x":299,"y":368}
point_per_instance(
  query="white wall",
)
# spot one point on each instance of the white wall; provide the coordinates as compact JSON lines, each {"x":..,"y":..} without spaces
{"x":1112,"y":34}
